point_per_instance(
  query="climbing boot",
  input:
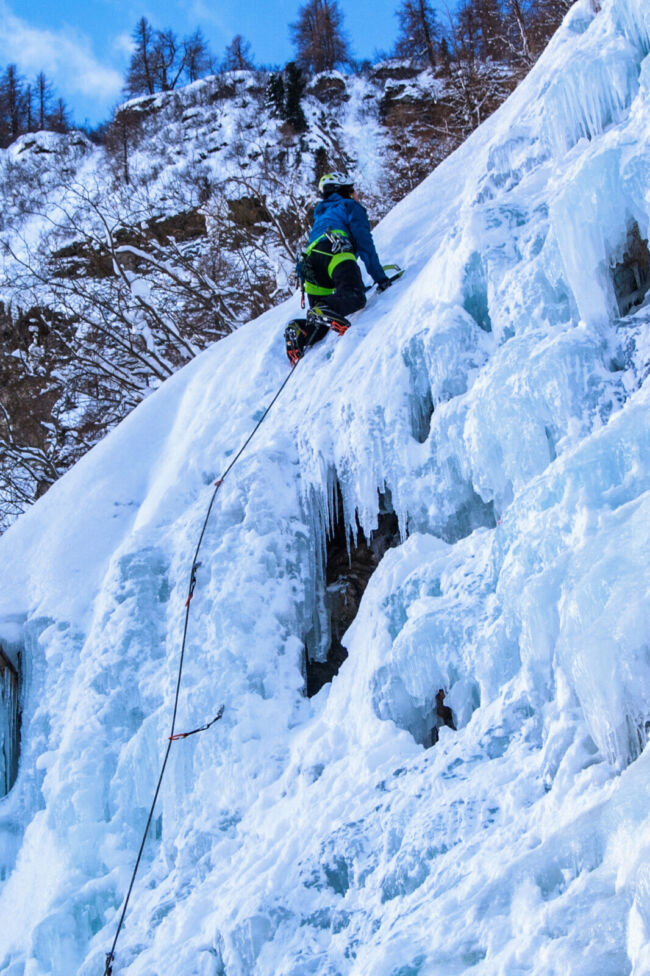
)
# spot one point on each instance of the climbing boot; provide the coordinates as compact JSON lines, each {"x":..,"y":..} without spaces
{"x":321,"y":315}
{"x":295,"y":339}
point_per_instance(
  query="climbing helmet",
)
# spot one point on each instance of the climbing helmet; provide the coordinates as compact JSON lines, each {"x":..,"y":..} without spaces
{"x":331,"y":182}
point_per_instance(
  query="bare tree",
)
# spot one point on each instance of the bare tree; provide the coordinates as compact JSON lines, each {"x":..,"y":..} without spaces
{"x":116,"y":297}
{"x":198,"y":61}
{"x":515,"y":10}
{"x":29,"y":108}
{"x":43,"y":98}
{"x":140,"y":77}
{"x":160,"y":60}
{"x":418,"y":31}
{"x":490,"y":29}
{"x":466,"y":34}
{"x":238,"y":56}
{"x":59,"y":120}
{"x":11,"y":105}
{"x":169,"y":60}
{"x":541,"y":20}
{"x":120,"y":134}
{"x":109,"y":317}
{"x":318,"y":36}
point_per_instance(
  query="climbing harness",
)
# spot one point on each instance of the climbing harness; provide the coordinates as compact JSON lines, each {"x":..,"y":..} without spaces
{"x":319,"y":319}
{"x":340,"y":249}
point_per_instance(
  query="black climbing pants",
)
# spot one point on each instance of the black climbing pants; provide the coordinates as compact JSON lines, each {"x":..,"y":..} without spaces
{"x":349,"y":295}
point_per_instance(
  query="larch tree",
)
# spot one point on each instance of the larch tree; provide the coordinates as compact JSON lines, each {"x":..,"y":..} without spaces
{"x":43,"y":96}
{"x":169,"y":59}
{"x":540,"y":18}
{"x":140,"y":78}
{"x":160,"y":60}
{"x":238,"y":55}
{"x":11,"y":104}
{"x":29,"y":108}
{"x":318,"y":36}
{"x":198,"y":60}
{"x":59,"y":119}
{"x":491,"y":29}
{"x":419,"y":31}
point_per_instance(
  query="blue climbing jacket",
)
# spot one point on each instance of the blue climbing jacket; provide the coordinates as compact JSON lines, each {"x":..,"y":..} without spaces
{"x":340,"y":213}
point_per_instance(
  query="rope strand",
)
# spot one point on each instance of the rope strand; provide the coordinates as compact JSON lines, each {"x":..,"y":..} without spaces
{"x":173,"y":735}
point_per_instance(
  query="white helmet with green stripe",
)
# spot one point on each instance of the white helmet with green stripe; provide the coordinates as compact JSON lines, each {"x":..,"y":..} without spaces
{"x":331,"y":182}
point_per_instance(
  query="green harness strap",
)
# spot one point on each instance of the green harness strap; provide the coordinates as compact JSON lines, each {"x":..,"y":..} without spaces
{"x":317,"y":290}
{"x":336,"y":259}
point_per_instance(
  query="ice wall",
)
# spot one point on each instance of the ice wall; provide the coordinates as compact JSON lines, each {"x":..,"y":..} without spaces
{"x":498,"y":396}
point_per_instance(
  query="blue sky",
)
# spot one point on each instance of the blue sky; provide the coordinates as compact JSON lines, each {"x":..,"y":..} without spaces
{"x":83,"y":45}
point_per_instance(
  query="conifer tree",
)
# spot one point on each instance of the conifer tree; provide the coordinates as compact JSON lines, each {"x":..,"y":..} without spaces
{"x":318,"y":36}
{"x":294,"y":86}
{"x":275,"y":94}
{"x":27,"y":107}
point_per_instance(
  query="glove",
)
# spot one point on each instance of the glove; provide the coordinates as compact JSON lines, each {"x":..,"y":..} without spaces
{"x":384,"y":284}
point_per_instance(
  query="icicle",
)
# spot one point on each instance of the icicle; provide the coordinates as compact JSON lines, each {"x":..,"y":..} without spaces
{"x":633,"y":19}
{"x":592,"y":94}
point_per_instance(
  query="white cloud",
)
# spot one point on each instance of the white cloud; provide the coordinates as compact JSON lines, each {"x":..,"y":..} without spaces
{"x":65,"y":56}
{"x":123,"y":45}
{"x":206,"y":12}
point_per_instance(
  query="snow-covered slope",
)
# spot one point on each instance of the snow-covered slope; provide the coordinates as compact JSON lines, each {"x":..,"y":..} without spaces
{"x":119,"y":262}
{"x":497,"y":397}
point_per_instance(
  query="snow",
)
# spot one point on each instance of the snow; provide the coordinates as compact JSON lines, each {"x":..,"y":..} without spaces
{"x":495,"y":395}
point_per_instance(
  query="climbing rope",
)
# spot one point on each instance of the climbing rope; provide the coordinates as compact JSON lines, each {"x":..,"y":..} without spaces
{"x":173,"y":735}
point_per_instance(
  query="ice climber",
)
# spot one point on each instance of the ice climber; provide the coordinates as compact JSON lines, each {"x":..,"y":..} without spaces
{"x":328,"y":266}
